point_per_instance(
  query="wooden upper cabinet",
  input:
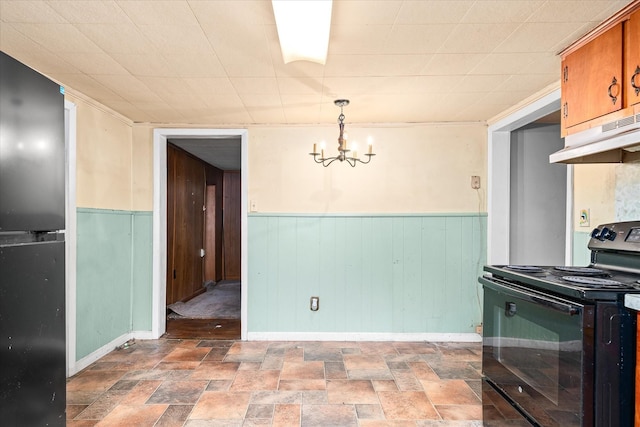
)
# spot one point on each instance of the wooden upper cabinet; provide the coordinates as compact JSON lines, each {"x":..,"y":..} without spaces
{"x":600,"y":74}
{"x":632,"y":60}
{"x":591,"y":79}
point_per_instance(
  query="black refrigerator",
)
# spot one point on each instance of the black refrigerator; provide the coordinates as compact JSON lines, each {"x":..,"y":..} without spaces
{"x":32,"y":248}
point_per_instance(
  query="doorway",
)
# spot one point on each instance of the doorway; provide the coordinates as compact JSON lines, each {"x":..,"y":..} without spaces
{"x":214,"y":141}
{"x":203,"y":238}
{"x":538,"y":195}
{"x":499,"y":140}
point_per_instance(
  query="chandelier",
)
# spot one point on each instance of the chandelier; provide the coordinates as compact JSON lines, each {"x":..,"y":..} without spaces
{"x":344,"y":152}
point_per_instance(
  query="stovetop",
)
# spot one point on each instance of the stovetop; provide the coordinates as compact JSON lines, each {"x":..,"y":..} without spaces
{"x":613,"y":272}
{"x":585,"y":283}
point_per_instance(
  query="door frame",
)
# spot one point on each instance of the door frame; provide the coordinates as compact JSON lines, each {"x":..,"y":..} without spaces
{"x":70,"y":118}
{"x":159,"y":265}
{"x":499,"y":179}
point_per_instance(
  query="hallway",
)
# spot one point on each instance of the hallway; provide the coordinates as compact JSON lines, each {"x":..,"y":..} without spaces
{"x":171,"y":382}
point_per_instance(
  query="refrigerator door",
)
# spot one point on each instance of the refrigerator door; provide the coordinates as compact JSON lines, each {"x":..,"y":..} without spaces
{"x":32,"y":334}
{"x":32,"y":153}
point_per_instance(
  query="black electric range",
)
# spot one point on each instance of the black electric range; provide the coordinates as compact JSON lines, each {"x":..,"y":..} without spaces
{"x":558,"y":343}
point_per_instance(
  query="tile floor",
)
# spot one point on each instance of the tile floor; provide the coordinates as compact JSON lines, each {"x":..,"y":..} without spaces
{"x":234,"y":383}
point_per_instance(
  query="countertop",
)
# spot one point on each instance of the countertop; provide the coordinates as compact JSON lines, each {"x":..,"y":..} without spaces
{"x":632,"y":301}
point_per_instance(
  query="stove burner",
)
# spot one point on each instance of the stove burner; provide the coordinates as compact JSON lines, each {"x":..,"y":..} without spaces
{"x":593,"y":281}
{"x":525,"y":268}
{"x":582,"y":271}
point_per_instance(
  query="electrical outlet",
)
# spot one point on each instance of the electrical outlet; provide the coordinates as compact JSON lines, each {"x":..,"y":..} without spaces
{"x":585,"y":219}
{"x":253,"y":206}
{"x":475,"y":182}
{"x":479,"y":329}
{"x":314,"y":303}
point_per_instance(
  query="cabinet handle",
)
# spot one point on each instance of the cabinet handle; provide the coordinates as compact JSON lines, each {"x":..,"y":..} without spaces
{"x":633,"y":81}
{"x":614,"y":83}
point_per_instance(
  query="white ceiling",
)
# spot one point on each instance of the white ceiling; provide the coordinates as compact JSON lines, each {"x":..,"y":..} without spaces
{"x":219,"y":62}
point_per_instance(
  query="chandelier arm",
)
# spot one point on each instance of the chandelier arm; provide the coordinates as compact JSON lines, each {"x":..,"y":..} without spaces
{"x":331,"y":160}
{"x":368,"y":159}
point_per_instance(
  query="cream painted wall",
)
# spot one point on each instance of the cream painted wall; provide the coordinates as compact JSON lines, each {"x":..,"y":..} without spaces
{"x":609,"y":191}
{"x":417,"y":169}
{"x":104,"y":156}
{"x":142,"y":168}
{"x":594,"y":189}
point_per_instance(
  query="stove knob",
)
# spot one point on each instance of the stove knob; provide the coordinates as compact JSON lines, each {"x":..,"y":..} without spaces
{"x":595,"y":234}
{"x":607,"y":234}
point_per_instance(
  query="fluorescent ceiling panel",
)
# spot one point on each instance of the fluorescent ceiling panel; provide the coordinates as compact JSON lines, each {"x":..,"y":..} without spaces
{"x":303,"y":29}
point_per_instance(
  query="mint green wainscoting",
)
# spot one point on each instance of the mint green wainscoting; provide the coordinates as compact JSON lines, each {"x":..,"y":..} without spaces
{"x":581,"y":253}
{"x":113,"y":287}
{"x":373,"y":273}
{"x":142,"y":271}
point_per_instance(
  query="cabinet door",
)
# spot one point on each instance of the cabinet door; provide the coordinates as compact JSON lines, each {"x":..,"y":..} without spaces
{"x":632,"y":60}
{"x":591,"y":79}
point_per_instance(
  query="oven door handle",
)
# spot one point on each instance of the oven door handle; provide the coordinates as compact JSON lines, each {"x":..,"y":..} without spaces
{"x":526,"y":295}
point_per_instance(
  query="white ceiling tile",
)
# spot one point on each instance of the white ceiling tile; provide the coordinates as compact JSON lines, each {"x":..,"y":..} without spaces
{"x":415,"y":39}
{"x":176,"y":38}
{"x":474,"y":38}
{"x":245,"y":54}
{"x":58,"y":37}
{"x":503,"y":63}
{"x":501,"y":11}
{"x":209,"y":87}
{"x":29,"y":12}
{"x":255,"y":100}
{"x":433,"y":12}
{"x":211,"y":61}
{"x":90,"y":12}
{"x":527,"y":82}
{"x":128,"y":87}
{"x":362,"y":12}
{"x":195,"y":64}
{"x":244,"y":14}
{"x":358,"y":39}
{"x":145,"y":64}
{"x":563,"y":11}
{"x":29,"y":52}
{"x":300,"y":85}
{"x":255,"y":85}
{"x":86,"y":84}
{"x":536,"y":37}
{"x":266,"y":115}
{"x":375,"y":65}
{"x":159,"y":12}
{"x":94,"y":63}
{"x":478,"y":84}
{"x":116,"y":38}
{"x":443,"y":64}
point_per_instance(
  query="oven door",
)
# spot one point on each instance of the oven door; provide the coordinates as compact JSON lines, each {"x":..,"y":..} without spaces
{"x":538,"y":353}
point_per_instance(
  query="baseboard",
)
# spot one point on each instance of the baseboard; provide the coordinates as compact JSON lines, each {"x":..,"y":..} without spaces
{"x":363,"y":336}
{"x":99,"y":353}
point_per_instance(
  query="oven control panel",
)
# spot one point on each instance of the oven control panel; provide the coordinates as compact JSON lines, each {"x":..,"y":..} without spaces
{"x":617,"y":236}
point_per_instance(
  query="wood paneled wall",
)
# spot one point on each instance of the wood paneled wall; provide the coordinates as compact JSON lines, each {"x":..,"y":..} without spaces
{"x":203,"y":212}
{"x":231,"y":225}
{"x":185,"y":224}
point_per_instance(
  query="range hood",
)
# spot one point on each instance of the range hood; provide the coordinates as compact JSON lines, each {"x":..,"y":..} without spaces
{"x":614,"y":142}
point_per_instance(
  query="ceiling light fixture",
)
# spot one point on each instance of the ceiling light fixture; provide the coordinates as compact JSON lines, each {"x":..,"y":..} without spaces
{"x":343,"y":149}
{"x":303,"y":29}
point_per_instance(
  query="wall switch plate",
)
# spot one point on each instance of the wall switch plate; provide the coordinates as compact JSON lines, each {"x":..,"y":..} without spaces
{"x":475,"y":182}
{"x":253,"y":207}
{"x":314,"y":303}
